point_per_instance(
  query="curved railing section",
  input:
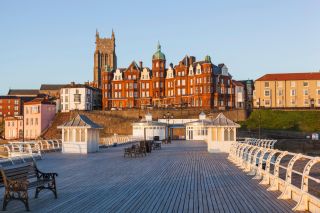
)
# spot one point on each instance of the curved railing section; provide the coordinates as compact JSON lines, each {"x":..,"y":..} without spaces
{"x":290,"y":173}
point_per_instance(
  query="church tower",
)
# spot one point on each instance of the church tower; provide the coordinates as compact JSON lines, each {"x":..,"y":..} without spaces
{"x":105,"y":58}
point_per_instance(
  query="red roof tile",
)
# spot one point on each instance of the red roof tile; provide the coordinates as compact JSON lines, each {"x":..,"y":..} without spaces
{"x":290,"y":76}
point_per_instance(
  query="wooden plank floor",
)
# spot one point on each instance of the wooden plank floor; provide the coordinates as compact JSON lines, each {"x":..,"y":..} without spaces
{"x":182,"y":177}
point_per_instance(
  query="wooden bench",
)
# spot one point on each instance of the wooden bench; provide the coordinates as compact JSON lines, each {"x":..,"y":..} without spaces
{"x":18,"y":179}
{"x":135,"y":150}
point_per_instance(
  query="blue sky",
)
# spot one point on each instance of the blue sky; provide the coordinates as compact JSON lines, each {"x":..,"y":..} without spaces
{"x":53,"y":41}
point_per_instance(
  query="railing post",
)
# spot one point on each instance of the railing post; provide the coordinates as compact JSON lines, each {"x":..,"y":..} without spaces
{"x":275,"y":177}
{"x":287,"y":193}
{"x":303,"y":203}
{"x":266,"y":175}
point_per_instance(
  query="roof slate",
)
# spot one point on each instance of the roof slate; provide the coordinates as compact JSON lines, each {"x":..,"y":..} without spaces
{"x":222,"y":120}
{"x":18,"y":92}
{"x":81,"y":121}
{"x":51,"y":86}
{"x":290,"y":76}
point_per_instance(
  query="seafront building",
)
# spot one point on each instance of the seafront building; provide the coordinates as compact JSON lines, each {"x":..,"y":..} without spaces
{"x":13,"y":126}
{"x":79,"y":97}
{"x":10,"y":106}
{"x":288,"y":90}
{"x":190,"y":83}
{"x":38,"y":114}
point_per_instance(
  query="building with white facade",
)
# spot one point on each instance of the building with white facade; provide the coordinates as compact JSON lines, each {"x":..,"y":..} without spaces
{"x":80,"y":135}
{"x":148,"y":129}
{"x":79,"y":97}
{"x":239,"y":94}
{"x":197,"y":130}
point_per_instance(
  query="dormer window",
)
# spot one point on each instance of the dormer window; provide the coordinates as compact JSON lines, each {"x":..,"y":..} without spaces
{"x":198,"y":69}
{"x":191,"y":70}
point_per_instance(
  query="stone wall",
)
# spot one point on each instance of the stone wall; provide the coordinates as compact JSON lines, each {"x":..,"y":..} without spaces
{"x":119,"y":122}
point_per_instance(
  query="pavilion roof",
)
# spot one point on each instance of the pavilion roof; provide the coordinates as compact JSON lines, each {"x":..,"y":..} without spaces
{"x":81,"y":121}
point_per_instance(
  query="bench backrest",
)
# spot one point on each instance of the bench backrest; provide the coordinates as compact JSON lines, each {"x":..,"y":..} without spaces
{"x":22,"y":171}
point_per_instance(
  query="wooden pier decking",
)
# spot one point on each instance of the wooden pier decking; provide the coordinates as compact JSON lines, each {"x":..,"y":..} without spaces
{"x":182,"y":177}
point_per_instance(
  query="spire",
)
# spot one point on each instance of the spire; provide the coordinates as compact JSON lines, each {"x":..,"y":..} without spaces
{"x":112,"y":35}
{"x":97,"y":33}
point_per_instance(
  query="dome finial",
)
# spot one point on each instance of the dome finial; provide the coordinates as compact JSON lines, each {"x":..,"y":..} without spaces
{"x":159,"y":46}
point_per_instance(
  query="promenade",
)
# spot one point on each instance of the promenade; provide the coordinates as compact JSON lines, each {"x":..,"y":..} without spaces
{"x":182,"y":177}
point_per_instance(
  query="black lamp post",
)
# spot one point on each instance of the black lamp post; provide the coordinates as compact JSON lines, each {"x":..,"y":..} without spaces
{"x":167,"y":116}
{"x":259,"y":120}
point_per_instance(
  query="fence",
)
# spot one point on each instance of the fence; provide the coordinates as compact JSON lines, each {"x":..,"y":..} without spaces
{"x":287,"y":172}
{"x":118,"y":140}
{"x":19,"y":148}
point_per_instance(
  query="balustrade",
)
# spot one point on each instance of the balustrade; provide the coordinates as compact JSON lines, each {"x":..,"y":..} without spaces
{"x":258,"y":158}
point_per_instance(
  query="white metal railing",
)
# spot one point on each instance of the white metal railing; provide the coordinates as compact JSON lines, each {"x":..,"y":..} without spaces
{"x":265,"y":163}
{"x":21,"y":148}
{"x":19,"y":159}
{"x":259,"y":142}
{"x":119,"y":140}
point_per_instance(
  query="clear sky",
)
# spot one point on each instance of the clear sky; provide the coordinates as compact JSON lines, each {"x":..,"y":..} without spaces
{"x":53,"y":41}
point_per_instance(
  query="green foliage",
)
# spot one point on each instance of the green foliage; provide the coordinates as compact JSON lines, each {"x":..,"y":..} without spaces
{"x":303,"y":121}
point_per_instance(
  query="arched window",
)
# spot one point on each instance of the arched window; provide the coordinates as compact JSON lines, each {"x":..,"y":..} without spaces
{"x":226,"y":134}
{"x":65,"y":135}
{"x":77,"y":135}
{"x":231,"y":135}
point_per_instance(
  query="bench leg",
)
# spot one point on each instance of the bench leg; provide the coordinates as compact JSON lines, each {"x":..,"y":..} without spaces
{"x":6,"y":200}
{"x":51,"y":186}
{"x":22,"y":196}
{"x":26,"y":203}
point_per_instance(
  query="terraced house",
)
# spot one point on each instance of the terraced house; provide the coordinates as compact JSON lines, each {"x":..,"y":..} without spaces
{"x":288,"y":90}
{"x":190,"y":83}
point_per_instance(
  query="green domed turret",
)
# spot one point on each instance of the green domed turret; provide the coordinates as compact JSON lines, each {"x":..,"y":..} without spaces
{"x":158,"y":54}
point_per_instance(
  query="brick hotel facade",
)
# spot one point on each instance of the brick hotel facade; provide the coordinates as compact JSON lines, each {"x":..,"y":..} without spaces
{"x":191,"y":83}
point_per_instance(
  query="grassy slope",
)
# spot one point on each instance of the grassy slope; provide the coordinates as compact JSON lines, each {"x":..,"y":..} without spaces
{"x":304,"y":121}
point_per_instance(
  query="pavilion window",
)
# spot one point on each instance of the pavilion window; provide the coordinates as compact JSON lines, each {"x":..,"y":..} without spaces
{"x":70,"y":135}
{"x":226,"y":135}
{"x":231,"y":135}
{"x":65,"y":135}
{"x":77,"y":135}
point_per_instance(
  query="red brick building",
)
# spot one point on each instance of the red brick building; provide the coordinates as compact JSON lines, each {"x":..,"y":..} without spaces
{"x":10,"y":106}
{"x":191,"y":83}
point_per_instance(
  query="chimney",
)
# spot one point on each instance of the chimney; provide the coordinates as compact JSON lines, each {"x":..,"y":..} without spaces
{"x":141,"y":64}
{"x":72,"y":83}
{"x":192,"y":59}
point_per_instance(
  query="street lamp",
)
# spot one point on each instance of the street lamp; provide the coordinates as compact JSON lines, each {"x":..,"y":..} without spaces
{"x":259,"y":120}
{"x":167,"y":116}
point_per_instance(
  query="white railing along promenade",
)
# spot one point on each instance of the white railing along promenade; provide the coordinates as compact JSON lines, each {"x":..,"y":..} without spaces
{"x":260,"y":159}
{"x":22,"y":148}
{"x":119,"y":140}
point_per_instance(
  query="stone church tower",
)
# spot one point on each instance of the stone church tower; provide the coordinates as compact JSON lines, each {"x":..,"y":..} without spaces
{"x":105,"y":58}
